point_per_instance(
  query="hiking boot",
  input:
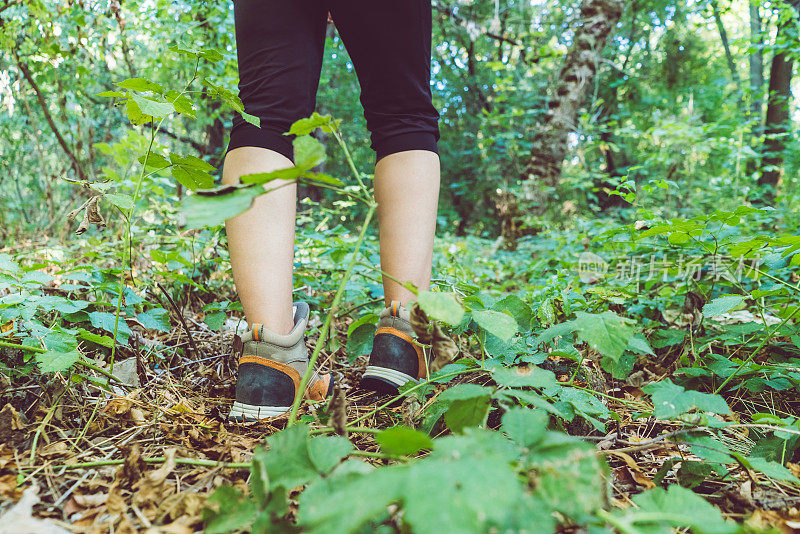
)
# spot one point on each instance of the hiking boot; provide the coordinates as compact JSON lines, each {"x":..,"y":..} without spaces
{"x":396,"y":357}
{"x":270,"y":369}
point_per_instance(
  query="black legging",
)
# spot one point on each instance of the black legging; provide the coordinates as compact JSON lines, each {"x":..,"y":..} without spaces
{"x":280,"y":45}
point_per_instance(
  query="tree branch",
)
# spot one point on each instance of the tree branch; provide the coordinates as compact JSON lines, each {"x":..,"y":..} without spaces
{"x":76,"y":165}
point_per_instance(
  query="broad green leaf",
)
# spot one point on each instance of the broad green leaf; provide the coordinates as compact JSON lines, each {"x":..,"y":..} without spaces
{"x":105,"y":341}
{"x":524,"y":376}
{"x":235,"y":511}
{"x":638,"y":344}
{"x":191,"y":161}
{"x":287,"y":461}
{"x":292,"y":173}
{"x":155,"y":319}
{"x":215,"y":320}
{"x":469,"y":404}
{"x":123,"y":202}
{"x":192,"y":178}
{"x":657,"y":509}
{"x":516,"y":308}
{"x":141,"y":85}
{"x":441,"y":307}
{"x":671,"y":400}
{"x":308,"y":152}
{"x":401,"y":440}
{"x":213,"y":210}
{"x":722,"y":305}
{"x":307,"y":125}
{"x":323,"y":178}
{"x":525,"y":426}
{"x":106,"y":321}
{"x":182,"y":103}
{"x":54,"y":361}
{"x":154,"y":160}
{"x":607,"y":332}
{"x":360,"y":338}
{"x":557,"y":330}
{"x":157,"y":110}
{"x":772,"y":469}
{"x":327,"y":451}
{"x":499,"y":324}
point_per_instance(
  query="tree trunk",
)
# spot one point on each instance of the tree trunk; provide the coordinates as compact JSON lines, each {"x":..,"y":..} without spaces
{"x":598,"y":19}
{"x":777,"y":126}
{"x":723,"y":37}
{"x":756,"y":60}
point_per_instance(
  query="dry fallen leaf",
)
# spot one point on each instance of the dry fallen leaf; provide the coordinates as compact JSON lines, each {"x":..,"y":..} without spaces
{"x":443,"y":349}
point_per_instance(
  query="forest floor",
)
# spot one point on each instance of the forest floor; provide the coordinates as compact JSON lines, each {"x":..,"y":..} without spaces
{"x":147,"y":454}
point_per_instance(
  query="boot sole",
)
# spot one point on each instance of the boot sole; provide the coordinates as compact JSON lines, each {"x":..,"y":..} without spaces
{"x":241,"y":412}
{"x":384,"y":380}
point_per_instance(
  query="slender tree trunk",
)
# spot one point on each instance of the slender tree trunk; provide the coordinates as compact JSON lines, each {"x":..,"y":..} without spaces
{"x":598,"y":19}
{"x":723,"y":37}
{"x":777,"y":125}
{"x":756,"y":60}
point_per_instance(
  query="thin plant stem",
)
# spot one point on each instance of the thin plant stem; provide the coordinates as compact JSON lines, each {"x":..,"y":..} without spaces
{"x":44,"y":422}
{"x":81,"y":361}
{"x":323,"y":335}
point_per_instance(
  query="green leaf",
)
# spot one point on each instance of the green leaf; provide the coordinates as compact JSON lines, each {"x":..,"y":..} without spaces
{"x":323,"y":178}
{"x":638,"y":344}
{"x":141,"y":85}
{"x":557,"y":330}
{"x":192,"y":178}
{"x":182,"y":103}
{"x":607,"y":332}
{"x":287,"y":461}
{"x":191,"y":161}
{"x":308,"y":152}
{"x":469,"y":405}
{"x":722,"y":305}
{"x":106,"y":321}
{"x":235,"y":511}
{"x":525,"y":426}
{"x":524,"y":376}
{"x":516,"y":308}
{"x":112,"y":94}
{"x":401,"y":440}
{"x":671,"y":400}
{"x":360,"y":338}
{"x":154,"y":160}
{"x":307,"y":125}
{"x":292,"y":173}
{"x":215,"y":320}
{"x":657,"y":509}
{"x":327,"y":451}
{"x":499,"y":324}
{"x":155,"y":319}
{"x":213,"y":210}
{"x":441,"y":307}
{"x":157,"y":110}
{"x":105,"y":341}
{"x":123,"y":202}
{"x":772,"y":469}
{"x":54,"y":361}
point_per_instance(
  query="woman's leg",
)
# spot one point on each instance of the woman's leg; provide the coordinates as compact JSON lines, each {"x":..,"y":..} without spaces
{"x":407,"y":192}
{"x":390,"y":44}
{"x":279,"y":48}
{"x":261,"y":241}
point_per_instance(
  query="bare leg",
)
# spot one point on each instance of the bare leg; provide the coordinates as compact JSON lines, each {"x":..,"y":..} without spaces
{"x":261,"y":241}
{"x":407,"y":192}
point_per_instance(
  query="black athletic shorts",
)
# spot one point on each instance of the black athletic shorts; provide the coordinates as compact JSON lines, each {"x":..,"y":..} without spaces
{"x":280,"y":45}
